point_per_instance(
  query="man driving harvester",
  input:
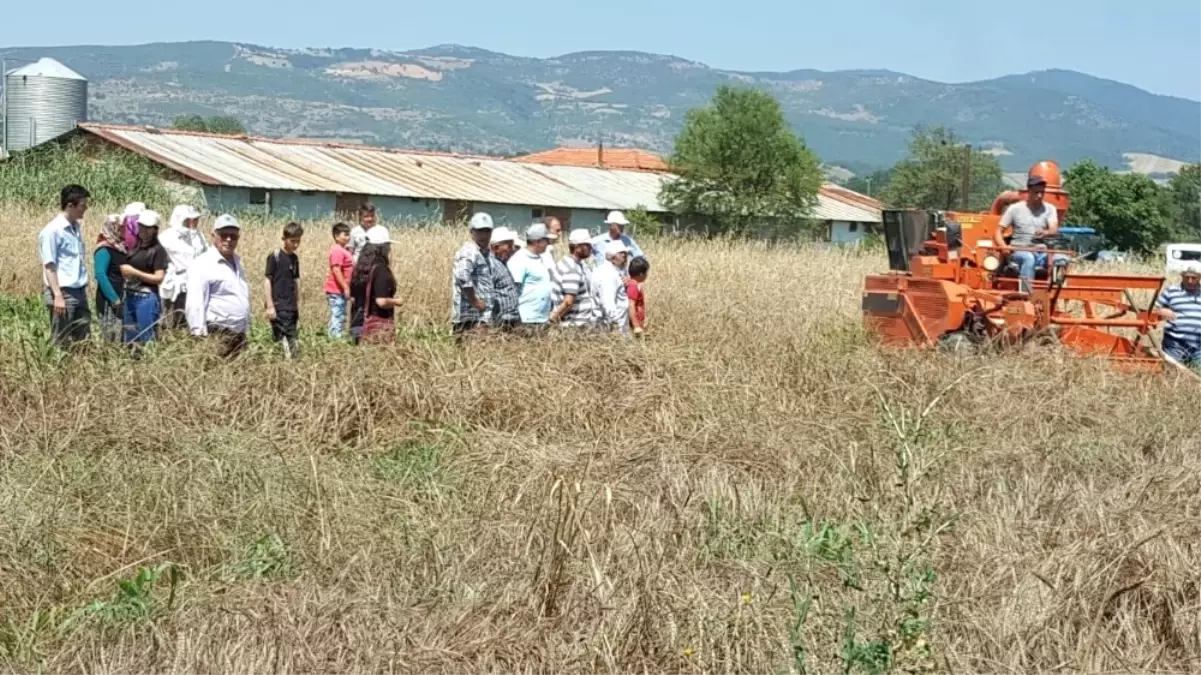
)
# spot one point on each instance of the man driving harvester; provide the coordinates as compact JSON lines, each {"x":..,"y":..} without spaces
{"x":1031,"y":220}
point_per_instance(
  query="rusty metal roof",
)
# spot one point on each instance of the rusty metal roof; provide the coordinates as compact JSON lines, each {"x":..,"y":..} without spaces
{"x":610,"y":158}
{"x":274,"y":164}
{"x":308,"y":166}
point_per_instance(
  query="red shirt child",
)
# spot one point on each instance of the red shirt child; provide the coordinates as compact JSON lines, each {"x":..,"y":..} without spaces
{"x":639,"y":269}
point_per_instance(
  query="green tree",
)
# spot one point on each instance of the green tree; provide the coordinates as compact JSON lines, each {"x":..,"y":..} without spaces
{"x":1184,"y":195}
{"x":931,"y":177}
{"x":740,"y":166}
{"x":1129,"y":210}
{"x":211,"y":125}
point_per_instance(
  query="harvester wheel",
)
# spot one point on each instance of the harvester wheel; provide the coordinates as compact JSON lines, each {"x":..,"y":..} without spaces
{"x":957,"y":343}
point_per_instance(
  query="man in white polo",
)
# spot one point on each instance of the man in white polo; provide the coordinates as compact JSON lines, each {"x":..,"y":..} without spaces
{"x":616,"y":223}
{"x":218,"y":299}
{"x":613,"y":303}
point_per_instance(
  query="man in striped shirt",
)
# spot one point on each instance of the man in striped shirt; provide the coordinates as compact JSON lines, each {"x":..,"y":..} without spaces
{"x":1181,"y":306}
{"x":573,"y":296}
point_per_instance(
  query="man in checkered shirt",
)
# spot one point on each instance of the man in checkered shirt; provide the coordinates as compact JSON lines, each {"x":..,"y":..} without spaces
{"x":471,"y":285}
{"x":504,"y":290}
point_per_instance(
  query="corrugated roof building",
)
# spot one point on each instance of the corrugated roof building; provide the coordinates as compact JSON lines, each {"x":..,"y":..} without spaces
{"x":309,"y":180}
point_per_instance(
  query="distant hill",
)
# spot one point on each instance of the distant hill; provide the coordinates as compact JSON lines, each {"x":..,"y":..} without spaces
{"x":451,"y":97}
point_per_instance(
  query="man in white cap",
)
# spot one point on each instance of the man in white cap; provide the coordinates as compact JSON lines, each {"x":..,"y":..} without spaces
{"x":613,"y":303}
{"x":218,"y":302}
{"x":616,"y":222}
{"x":504,"y":291}
{"x":532,"y":275}
{"x":471,"y":280}
{"x":1181,"y":306}
{"x":572,"y":298}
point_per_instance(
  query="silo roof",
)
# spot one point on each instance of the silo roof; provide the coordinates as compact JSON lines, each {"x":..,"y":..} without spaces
{"x":47,"y":67}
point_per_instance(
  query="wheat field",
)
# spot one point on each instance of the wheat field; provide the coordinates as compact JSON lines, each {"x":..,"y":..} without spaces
{"x":754,"y":488}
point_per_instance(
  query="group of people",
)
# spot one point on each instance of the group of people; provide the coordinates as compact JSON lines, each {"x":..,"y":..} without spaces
{"x":147,"y":281}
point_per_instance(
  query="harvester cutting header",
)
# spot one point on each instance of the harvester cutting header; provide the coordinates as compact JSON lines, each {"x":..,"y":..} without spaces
{"x":964,"y":279}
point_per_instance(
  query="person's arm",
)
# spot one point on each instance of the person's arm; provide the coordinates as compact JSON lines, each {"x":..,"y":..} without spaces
{"x":463,"y":265}
{"x":335,"y":268}
{"x":296,"y":283}
{"x":103,"y":258}
{"x":197,"y":301}
{"x":153,"y":279}
{"x":389,"y":283}
{"x":1006,"y":221}
{"x":635,"y":250}
{"x":48,"y":252}
{"x":570,"y":288}
{"x":268,"y":301}
{"x":1162,"y":308}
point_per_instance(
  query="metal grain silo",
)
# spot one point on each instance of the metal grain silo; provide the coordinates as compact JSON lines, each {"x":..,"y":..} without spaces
{"x":43,"y":100}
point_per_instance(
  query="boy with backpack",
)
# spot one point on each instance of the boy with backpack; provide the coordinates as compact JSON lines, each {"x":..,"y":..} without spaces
{"x":282,"y":298}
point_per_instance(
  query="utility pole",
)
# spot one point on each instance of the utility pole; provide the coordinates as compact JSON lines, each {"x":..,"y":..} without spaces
{"x":967,"y":177}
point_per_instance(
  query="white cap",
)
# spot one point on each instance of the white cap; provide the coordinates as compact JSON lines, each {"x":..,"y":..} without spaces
{"x":1191,"y":268}
{"x":134,"y":208}
{"x":148,"y":218}
{"x":536,"y":231}
{"x":615,"y":246}
{"x":502,"y":234}
{"x":579,"y":236}
{"x":225,"y":220}
{"x":187,"y":212}
{"x":481,"y":221}
{"x":616,"y":218}
{"x":378,"y":235}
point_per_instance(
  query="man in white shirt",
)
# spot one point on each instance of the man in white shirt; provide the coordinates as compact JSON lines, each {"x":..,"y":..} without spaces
{"x":358,"y":235}
{"x":64,"y":274}
{"x":218,"y":298}
{"x":610,"y":284}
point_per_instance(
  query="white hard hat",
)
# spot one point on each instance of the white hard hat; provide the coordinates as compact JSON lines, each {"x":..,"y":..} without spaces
{"x":481,"y":221}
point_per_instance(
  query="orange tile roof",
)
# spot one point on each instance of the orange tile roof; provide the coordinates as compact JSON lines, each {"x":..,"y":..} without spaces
{"x":848,"y":196}
{"x":612,"y":158}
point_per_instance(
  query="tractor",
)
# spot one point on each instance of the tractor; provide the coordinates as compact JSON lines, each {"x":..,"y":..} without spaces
{"x":951,"y":285}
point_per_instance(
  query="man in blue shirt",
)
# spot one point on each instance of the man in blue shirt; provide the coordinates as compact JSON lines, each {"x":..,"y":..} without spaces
{"x":533,"y":278}
{"x":616,"y":222}
{"x":64,"y":275}
{"x":1181,"y":306}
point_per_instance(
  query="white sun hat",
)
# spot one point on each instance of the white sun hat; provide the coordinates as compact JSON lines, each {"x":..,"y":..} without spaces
{"x":502,"y":234}
{"x":579,"y":236}
{"x":616,"y":218}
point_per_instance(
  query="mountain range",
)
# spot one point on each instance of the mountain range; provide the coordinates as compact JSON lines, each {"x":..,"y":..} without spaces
{"x":465,"y":99}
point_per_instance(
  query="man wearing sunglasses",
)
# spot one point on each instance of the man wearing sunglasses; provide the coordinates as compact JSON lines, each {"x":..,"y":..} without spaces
{"x":218,"y":303}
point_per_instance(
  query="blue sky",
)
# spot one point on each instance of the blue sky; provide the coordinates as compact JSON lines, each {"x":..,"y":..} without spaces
{"x":1154,"y":44}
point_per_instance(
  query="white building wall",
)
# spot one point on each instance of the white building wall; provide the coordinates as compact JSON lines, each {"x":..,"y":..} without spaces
{"x":842,"y":232}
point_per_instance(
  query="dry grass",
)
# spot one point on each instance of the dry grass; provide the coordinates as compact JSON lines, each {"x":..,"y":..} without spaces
{"x":752,"y":489}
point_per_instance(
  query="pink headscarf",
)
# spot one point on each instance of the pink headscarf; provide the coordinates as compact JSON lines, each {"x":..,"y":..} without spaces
{"x":130,"y":220}
{"x":110,"y":235}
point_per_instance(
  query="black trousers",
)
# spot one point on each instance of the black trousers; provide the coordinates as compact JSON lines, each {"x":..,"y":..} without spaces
{"x":229,"y":343}
{"x":284,"y":331}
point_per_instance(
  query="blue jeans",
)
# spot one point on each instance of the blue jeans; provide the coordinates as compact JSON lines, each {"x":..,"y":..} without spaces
{"x":1029,"y":261}
{"x":1187,"y":352}
{"x":142,"y":311}
{"x":337,"y":313}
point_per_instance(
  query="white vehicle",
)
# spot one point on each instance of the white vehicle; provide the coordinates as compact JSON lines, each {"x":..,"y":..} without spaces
{"x":1179,"y":255}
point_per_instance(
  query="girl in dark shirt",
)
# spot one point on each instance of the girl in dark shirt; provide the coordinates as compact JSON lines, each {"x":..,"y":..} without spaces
{"x":372,"y":276}
{"x":108,"y":258}
{"x":144,"y":271}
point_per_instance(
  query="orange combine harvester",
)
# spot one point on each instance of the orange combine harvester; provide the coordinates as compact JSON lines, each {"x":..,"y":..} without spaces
{"x":951,"y":285}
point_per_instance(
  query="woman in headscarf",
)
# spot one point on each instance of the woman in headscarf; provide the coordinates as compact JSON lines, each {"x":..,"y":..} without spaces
{"x":130,"y":220}
{"x":108,"y":258}
{"x":144,"y":270}
{"x":183,"y":243}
